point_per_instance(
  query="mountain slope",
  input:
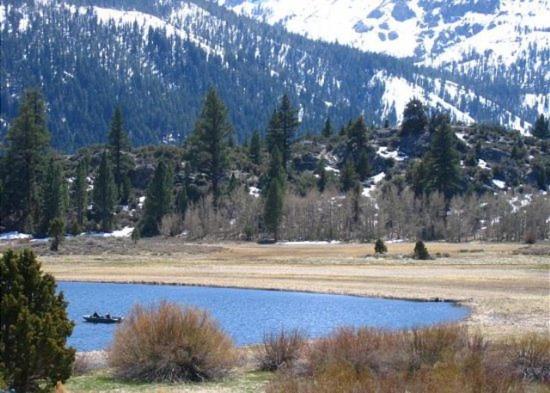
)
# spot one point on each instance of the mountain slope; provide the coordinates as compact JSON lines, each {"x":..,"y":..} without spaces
{"x":156,"y":59}
{"x":490,"y":41}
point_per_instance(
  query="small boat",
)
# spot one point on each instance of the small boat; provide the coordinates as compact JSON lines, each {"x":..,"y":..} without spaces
{"x":102,"y":319}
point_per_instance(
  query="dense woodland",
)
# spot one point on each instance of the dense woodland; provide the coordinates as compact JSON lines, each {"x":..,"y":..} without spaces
{"x":89,"y":66}
{"x":338,"y":185}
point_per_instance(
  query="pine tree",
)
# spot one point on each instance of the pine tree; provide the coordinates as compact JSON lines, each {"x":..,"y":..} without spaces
{"x":281,"y":129}
{"x":104,"y":194}
{"x":209,"y":142}
{"x":273,"y":206}
{"x":348,"y":178}
{"x":255,"y":148}
{"x":358,"y":149}
{"x":54,"y":197}
{"x":26,"y":152}
{"x":34,"y":326}
{"x":289,"y":124}
{"x":80,"y":191}
{"x":182,"y":201}
{"x":159,"y":200}
{"x":274,"y":133}
{"x":442,"y":164}
{"x":327,"y":129}
{"x":323,"y":178}
{"x":57,"y":233}
{"x":541,"y":129}
{"x":414,"y":117}
{"x":420,"y":251}
{"x":118,"y":143}
{"x":380,"y":247}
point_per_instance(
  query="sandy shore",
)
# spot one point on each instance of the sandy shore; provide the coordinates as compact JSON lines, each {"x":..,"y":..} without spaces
{"x":507,"y":286}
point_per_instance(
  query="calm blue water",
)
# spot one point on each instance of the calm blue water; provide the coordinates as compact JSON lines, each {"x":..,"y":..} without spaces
{"x":245,"y":314}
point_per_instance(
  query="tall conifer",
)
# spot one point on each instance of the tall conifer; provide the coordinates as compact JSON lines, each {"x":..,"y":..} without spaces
{"x":118,"y":143}
{"x":104,"y":195}
{"x":27,"y":149}
{"x":209,"y":142}
{"x":54,"y":197}
{"x":159,"y":199}
{"x":273,"y":205}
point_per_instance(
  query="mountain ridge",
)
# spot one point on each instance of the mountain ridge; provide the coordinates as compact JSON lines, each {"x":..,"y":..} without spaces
{"x":178,"y":49}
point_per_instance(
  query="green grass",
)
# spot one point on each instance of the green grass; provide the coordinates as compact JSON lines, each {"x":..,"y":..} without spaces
{"x":102,"y":381}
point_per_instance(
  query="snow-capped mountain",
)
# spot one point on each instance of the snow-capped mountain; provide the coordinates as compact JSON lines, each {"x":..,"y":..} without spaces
{"x":498,"y":40}
{"x":157,"y":58}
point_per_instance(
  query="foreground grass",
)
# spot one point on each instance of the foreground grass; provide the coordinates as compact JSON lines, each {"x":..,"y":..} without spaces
{"x":102,"y":381}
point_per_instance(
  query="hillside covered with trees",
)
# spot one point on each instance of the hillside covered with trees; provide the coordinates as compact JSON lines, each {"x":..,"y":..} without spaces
{"x":428,"y":179}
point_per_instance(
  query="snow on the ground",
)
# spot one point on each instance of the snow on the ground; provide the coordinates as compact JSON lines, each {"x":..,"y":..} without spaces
{"x":483,"y":164}
{"x":141,"y":201}
{"x":124,"y":232}
{"x":305,"y":243}
{"x":329,"y":168}
{"x":385,"y":153}
{"x":499,"y":183}
{"x":373,"y":181}
{"x":254,"y":191}
{"x":14,"y":236}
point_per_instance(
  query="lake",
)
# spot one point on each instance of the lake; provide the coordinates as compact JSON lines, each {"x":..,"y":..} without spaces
{"x":247,"y":314}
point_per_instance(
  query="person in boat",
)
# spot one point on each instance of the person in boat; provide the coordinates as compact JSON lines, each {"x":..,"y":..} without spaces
{"x":108,"y":316}
{"x":95,"y":314}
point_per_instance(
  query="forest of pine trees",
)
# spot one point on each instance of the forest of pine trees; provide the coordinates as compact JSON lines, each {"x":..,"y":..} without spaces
{"x":272,"y":186}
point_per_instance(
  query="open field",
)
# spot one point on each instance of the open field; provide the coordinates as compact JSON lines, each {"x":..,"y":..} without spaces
{"x":507,"y":286}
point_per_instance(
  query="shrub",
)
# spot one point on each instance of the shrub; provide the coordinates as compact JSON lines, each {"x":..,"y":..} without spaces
{"x":281,"y":350}
{"x":530,"y":358}
{"x":34,"y":326}
{"x":437,"y":359}
{"x":380,"y":247}
{"x":168,"y":343}
{"x":420,"y":251}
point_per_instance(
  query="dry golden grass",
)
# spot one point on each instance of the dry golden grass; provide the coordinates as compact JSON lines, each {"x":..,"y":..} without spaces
{"x":507,"y":286}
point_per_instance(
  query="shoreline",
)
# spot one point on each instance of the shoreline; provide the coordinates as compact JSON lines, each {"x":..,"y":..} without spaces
{"x":505,"y":287}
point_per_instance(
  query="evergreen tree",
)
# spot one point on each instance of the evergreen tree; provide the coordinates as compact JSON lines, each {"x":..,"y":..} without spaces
{"x":57,"y":233}
{"x":54,"y":197}
{"x":281,"y":129}
{"x":126,"y":189}
{"x":34,"y":326}
{"x":274,"y":132}
{"x":327,"y":129}
{"x":380,"y":247}
{"x":420,"y":251}
{"x":414,"y":117}
{"x":357,"y":148}
{"x":159,"y":200}
{"x":209,"y":143}
{"x":348,"y":178}
{"x":182,"y":201}
{"x":255,"y":148}
{"x":118,"y":143}
{"x":273,"y":206}
{"x":26,"y":151}
{"x":104,"y":194}
{"x":541,"y":129}
{"x":442,"y":164}
{"x":289,"y":124}
{"x":323,"y":178}
{"x":80,"y":191}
